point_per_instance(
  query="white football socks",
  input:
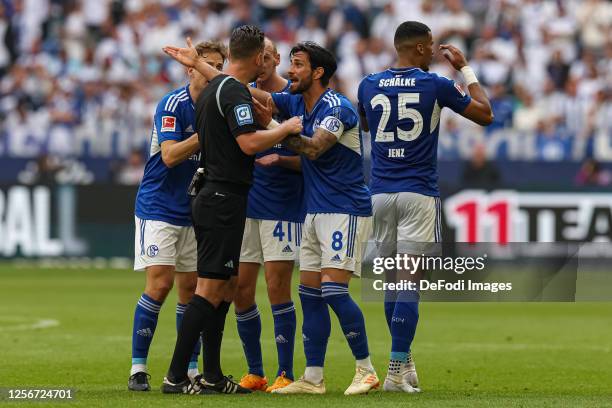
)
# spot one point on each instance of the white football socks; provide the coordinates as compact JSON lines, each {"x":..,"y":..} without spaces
{"x":137,"y":368}
{"x":192,"y":373}
{"x":313,"y":375}
{"x":365,"y":363}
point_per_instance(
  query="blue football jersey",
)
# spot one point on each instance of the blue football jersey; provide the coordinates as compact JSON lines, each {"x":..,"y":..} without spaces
{"x":402,"y":107}
{"x":277,"y":193}
{"x":333,"y":183}
{"x":162,"y":195}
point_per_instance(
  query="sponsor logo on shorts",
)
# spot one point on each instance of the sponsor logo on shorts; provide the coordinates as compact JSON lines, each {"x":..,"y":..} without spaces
{"x":229,"y":264}
{"x":336,"y":258}
{"x":281,"y":339}
{"x":305,"y":338}
{"x":287,"y":249}
{"x":152,"y":251}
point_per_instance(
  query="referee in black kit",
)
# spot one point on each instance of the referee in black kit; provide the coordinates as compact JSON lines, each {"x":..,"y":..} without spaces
{"x":229,"y":138}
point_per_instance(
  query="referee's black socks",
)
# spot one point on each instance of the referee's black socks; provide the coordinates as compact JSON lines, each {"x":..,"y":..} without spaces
{"x":212,"y":335}
{"x":197,"y":312}
{"x":200,"y":317}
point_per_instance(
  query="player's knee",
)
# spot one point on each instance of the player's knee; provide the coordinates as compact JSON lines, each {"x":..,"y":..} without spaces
{"x":279,"y":290}
{"x":185,"y":294}
{"x":186,"y":287}
{"x":231,"y":290}
{"x":310,"y":279}
{"x":158,"y":289}
{"x":244,"y":294}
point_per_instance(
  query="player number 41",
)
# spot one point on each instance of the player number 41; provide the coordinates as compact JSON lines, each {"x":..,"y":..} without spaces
{"x":279,"y":233}
{"x":403,"y":112}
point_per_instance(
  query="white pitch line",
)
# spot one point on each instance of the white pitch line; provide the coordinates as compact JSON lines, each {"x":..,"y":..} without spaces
{"x":460,"y":346}
{"x":38,"y":324}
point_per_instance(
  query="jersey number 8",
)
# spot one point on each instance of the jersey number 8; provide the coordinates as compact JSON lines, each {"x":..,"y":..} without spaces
{"x":403,"y":112}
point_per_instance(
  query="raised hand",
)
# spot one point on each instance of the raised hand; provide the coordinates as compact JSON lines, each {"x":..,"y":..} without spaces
{"x":454,"y":56}
{"x":187,"y":56}
{"x":263,"y":114}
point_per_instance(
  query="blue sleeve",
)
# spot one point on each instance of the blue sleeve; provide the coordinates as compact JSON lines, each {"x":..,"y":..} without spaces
{"x":451,"y":95}
{"x":345,"y":114}
{"x":168,"y":124}
{"x":338,"y":119}
{"x":282,"y":100}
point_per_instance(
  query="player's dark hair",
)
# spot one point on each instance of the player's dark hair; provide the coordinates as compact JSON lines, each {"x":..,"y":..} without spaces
{"x":409,"y":30}
{"x":246,"y":41}
{"x":212,"y":46}
{"x":319,"y":57}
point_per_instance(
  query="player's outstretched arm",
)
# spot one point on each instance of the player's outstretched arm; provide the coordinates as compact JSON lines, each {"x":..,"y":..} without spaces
{"x":289,"y":162}
{"x":314,"y":147}
{"x":255,"y":142}
{"x":173,"y":152}
{"x":479,"y":110}
{"x":189,"y":57}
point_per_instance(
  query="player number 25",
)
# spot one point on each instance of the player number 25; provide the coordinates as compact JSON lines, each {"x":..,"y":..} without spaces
{"x":403,"y":112}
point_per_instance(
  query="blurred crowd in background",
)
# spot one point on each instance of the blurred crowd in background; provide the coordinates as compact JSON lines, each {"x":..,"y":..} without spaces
{"x":81,"y":78}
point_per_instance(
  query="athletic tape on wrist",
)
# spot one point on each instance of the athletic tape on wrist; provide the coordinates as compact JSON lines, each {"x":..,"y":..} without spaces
{"x":273,"y":124}
{"x":469,"y":75}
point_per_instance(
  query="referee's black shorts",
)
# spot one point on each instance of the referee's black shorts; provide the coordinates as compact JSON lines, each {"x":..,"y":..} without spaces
{"x":219,"y":214}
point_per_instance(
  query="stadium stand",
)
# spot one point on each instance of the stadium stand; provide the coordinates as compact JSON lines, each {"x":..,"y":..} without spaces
{"x":80,"y":78}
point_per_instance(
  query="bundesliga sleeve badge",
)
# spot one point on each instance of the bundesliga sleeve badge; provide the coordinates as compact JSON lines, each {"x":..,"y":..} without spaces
{"x":168,"y":124}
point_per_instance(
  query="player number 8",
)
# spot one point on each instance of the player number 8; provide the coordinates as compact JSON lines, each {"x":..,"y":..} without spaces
{"x":403,"y":112}
{"x":337,"y":240}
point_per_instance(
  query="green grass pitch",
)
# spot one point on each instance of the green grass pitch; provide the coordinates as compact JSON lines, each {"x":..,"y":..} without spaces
{"x":467,"y":355}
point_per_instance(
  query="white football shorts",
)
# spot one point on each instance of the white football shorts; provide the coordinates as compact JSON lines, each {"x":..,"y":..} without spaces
{"x":405,"y":218}
{"x":160,"y":243}
{"x":334,"y":241}
{"x":267,"y":240}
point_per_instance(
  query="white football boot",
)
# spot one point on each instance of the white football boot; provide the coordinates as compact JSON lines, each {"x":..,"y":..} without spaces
{"x":364,"y":381}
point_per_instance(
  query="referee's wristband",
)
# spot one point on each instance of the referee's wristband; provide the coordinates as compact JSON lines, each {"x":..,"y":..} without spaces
{"x":273,"y":124}
{"x":469,"y":75}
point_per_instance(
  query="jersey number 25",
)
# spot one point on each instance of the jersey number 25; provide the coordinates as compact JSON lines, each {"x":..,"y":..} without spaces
{"x":403,"y":112}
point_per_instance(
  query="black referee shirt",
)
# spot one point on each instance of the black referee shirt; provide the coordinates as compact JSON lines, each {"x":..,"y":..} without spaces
{"x":224,"y":111}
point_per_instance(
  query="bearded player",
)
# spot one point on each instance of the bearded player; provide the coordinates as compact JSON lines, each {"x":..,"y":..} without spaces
{"x":338,"y":214}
